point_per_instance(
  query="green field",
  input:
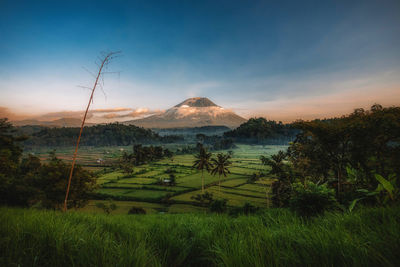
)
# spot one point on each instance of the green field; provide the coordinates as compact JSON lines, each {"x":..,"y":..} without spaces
{"x":143,"y":186}
{"x":273,"y":237}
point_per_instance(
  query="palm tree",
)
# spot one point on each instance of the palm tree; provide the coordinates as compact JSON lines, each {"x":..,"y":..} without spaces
{"x":277,"y":168}
{"x":276,"y":162}
{"x":202,"y":161}
{"x":221,"y":164}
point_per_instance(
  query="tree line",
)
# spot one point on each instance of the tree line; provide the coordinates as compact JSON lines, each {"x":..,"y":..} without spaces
{"x":263,"y":131}
{"x":113,"y":134}
{"x":142,"y":155}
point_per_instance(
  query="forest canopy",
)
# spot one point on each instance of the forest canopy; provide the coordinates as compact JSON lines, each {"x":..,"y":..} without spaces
{"x":113,"y":134}
{"x":263,"y":131}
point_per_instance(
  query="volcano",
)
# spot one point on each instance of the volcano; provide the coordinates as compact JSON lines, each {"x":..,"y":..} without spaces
{"x":193,"y":112}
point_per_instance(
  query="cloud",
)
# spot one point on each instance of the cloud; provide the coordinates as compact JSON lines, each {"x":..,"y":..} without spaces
{"x":110,"y":110}
{"x":140,"y":112}
{"x":62,"y":114}
{"x":94,"y":116}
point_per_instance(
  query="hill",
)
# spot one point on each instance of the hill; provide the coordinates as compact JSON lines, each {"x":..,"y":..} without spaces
{"x":262,"y":131}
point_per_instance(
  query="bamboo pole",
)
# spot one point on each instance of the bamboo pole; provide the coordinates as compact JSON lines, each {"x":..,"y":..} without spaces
{"x":104,"y":61}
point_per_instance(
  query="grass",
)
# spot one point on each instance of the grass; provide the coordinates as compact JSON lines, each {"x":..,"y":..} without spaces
{"x":123,"y":207}
{"x":236,"y":200}
{"x":275,"y":237}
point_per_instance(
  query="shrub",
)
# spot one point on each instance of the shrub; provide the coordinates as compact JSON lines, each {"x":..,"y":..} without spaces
{"x":312,"y":199}
{"x":255,"y":176}
{"x":246,"y":209}
{"x":107,"y":207}
{"x":281,"y":193}
{"x":136,"y":210}
{"x":204,"y":199}
{"x":218,"y":205}
{"x":172,"y":179}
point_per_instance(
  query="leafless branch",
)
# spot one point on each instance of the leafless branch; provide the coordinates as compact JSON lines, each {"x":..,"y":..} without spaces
{"x":105,"y":60}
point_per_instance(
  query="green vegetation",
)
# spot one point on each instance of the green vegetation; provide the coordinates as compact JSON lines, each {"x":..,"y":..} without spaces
{"x":220,"y":166}
{"x":275,"y":237}
{"x":113,"y":134}
{"x":262,"y":131}
{"x":350,"y":155}
{"x":311,"y":199}
{"x":202,"y":161}
{"x":329,"y":198}
{"x":29,"y":182}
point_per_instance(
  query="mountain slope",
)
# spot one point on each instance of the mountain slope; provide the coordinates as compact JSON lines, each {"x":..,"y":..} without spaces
{"x":193,"y":112}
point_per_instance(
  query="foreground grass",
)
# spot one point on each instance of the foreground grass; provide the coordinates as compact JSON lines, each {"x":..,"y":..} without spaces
{"x":275,"y":237}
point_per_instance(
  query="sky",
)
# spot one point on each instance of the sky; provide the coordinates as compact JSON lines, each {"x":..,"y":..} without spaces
{"x":283,"y":60}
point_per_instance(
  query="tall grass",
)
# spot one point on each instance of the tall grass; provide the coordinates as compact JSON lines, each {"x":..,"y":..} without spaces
{"x":276,"y":237}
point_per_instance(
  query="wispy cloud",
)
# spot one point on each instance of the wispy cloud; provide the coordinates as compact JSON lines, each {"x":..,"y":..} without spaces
{"x":96,"y":115}
{"x":140,"y":112}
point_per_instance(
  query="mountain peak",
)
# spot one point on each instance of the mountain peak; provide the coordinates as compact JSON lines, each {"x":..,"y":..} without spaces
{"x":193,"y":112}
{"x":197,"y":102}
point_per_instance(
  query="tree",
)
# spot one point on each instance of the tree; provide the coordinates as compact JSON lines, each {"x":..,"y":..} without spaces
{"x":262,"y":131}
{"x":10,"y":155}
{"x":220,"y":166}
{"x":127,"y":168}
{"x":204,"y":199}
{"x":367,"y":141}
{"x":276,"y":163}
{"x":202,"y":161}
{"x":281,"y":188}
{"x":51,"y":182}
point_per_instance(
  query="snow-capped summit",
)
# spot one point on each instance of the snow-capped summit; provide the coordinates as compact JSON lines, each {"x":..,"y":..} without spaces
{"x":193,"y":112}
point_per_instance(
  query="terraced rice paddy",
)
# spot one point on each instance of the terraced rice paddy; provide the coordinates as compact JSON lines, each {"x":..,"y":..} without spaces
{"x":144,"y":188}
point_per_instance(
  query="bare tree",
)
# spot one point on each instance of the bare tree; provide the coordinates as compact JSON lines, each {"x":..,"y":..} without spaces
{"x":104,"y":61}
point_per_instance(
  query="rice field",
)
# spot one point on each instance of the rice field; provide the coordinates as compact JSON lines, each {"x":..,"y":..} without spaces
{"x":145,"y":185}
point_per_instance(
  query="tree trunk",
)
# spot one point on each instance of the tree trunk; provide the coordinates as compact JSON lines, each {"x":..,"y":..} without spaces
{"x":219,"y":185}
{"x":202,"y":181}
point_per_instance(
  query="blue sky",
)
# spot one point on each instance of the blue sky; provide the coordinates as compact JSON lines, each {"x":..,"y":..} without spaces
{"x":279,"y":59}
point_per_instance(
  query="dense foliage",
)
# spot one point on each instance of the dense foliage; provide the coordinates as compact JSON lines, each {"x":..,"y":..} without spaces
{"x":191,"y":132}
{"x":262,"y":131}
{"x":367,"y":141}
{"x":145,"y":154}
{"x":357,"y":155}
{"x":27,"y":181}
{"x":114,"y":134}
{"x":312,"y":199}
{"x":215,"y":142}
